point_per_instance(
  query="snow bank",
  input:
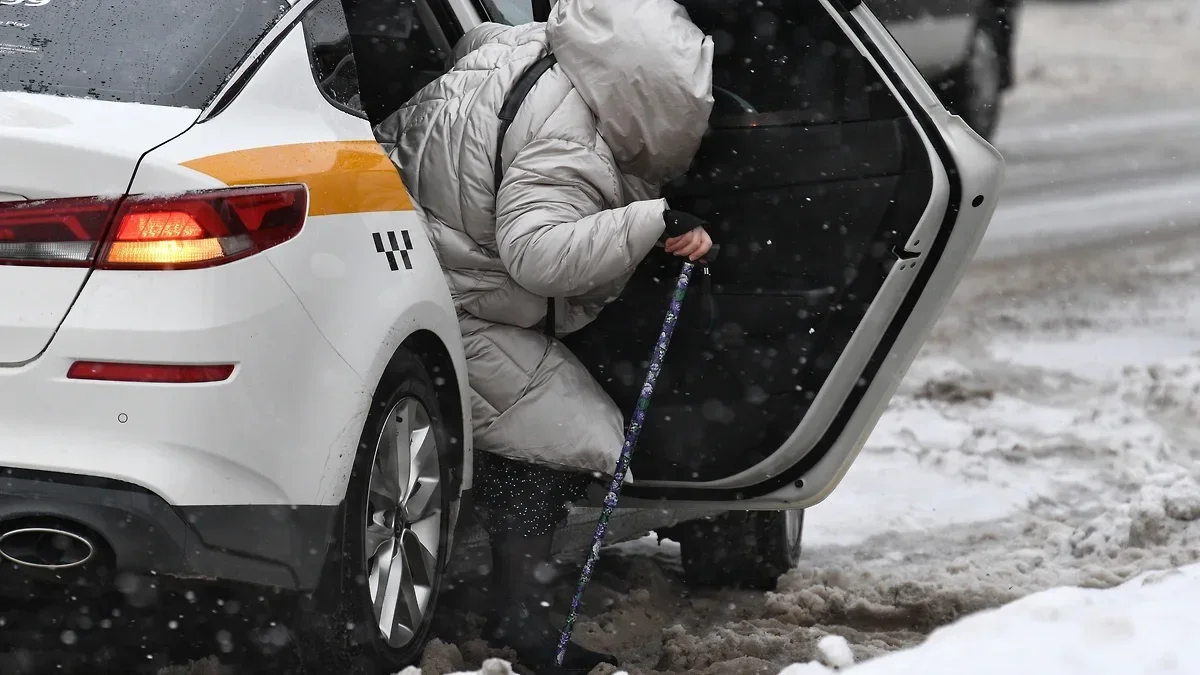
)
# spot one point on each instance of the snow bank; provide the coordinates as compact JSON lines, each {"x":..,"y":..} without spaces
{"x":1147,"y":625}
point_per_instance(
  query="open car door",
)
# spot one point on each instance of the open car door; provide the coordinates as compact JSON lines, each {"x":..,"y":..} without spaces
{"x":847,"y":203}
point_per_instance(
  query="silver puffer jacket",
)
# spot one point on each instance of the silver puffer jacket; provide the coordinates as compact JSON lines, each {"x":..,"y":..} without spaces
{"x":621,"y":114}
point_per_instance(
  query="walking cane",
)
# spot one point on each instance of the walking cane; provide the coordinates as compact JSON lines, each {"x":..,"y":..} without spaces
{"x":631,"y":438}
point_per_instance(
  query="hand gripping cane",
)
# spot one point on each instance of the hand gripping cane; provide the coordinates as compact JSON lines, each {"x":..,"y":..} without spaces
{"x":631,"y":438}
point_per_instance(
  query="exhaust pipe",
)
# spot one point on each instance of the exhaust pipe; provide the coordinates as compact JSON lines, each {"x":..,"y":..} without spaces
{"x":52,"y":549}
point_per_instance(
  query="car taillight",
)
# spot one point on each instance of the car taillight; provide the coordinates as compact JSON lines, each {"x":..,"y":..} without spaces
{"x":202,"y":229}
{"x":185,"y":231}
{"x":56,"y":232}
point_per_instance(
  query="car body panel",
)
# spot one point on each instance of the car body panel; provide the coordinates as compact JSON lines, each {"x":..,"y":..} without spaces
{"x":281,"y":130}
{"x":260,"y":437}
{"x":242,"y":478}
{"x":82,"y":149}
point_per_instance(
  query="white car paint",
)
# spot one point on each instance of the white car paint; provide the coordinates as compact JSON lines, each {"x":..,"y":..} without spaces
{"x":310,"y":324}
{"x":64,"y":147}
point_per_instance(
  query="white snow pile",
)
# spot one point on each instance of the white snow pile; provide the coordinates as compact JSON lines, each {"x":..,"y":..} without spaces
{"x":1147,"y":625}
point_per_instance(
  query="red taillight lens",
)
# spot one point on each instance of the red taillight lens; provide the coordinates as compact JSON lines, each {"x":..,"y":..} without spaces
{"x":57,"y":232}
{"x":185,"y":231}
{"x":203,"y":229}
{"x":147,"y":372}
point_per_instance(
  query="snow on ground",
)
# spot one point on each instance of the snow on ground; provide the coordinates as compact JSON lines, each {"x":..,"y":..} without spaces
{"x":1047,"y":436}
{"x":1146,"y":625}
{"x":1070,"y":51}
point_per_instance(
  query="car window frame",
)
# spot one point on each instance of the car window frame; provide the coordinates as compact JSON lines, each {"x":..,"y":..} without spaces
{"x":312,"y":63}
{"x":253,"y":60}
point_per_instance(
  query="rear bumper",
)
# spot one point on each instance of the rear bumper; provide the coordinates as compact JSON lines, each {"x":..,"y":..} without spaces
{"x":281,"y":429}
{"x":271,"y":545}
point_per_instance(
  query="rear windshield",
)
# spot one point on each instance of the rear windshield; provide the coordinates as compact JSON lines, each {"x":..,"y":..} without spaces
{"x":162,"y":52}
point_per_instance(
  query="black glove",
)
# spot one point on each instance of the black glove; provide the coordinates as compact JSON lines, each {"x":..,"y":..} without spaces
{"x":680,"y":223}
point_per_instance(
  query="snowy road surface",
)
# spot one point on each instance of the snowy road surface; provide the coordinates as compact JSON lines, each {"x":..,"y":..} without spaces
{"x":1102,"y":132}
{"x":1048,"y":435}
{"x":1095,"y":176}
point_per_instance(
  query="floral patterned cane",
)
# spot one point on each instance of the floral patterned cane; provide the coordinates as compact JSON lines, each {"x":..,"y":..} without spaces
{"x":631,"y":439}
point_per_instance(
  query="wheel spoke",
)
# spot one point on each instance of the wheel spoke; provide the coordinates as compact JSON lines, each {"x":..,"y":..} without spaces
{"x":408,"y":588}
{"x":405,"y":419}
{"x":428,"y":531}
{"x":420,"y":561}
{"x":385,"y":473}
{"x":384,"y":581}
{"x":425,"y":500}
{"x":424,"y":454}
{"x":376,"y":536}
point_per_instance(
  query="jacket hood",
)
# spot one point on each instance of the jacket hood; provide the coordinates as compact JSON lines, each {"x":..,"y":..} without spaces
{"x":645,"y":70}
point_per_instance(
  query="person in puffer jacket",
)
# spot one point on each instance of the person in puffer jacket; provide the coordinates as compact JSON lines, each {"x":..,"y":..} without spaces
{"x":621,"y":113}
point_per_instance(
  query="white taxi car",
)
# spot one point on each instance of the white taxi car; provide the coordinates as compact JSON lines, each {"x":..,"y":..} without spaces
{"x":227,"y":351}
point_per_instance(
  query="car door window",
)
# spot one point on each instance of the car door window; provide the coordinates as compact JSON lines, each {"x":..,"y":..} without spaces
{"x":331,"y":55}
{"x":811,"y":175}
{"x":395,"y":53}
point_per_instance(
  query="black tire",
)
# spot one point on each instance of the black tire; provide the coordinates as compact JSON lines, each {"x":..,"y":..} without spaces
{"x":974,"y":91}
{"x":740,"y":549}
{"x":342,"y":633}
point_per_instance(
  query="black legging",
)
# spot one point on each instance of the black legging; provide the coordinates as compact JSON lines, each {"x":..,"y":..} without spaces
{"x":523,"y":498}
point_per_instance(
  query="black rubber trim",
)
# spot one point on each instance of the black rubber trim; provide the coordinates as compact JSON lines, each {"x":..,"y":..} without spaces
{"x":236,"y":86}
{"x":842,"y":420}
{"x":269,"y":545}
{"x":312,"y":66}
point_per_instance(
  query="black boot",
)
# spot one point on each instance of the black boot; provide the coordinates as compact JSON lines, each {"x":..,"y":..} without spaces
{"x":520,"y":613}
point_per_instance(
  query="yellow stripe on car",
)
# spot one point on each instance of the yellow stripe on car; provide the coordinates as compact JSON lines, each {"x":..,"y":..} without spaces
{"x":342,"y":176}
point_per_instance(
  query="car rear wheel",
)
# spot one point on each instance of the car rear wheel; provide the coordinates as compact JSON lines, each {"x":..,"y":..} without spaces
{"x":974,"y":91}
{"x":740,"y":549}
{"x":389,"y":564}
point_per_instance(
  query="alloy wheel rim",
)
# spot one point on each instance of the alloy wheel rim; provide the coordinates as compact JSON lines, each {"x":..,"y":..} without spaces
{"x":403,"y":522}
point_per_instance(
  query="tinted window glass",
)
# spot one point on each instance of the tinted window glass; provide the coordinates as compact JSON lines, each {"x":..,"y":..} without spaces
{"x":787,"y":61}
{"x":394,"y":53}
{"x":163,"y":52}
{"x":331,"y":54}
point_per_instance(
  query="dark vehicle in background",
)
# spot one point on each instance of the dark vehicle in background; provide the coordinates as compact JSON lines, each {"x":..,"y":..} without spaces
{"x":964,"y":48}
